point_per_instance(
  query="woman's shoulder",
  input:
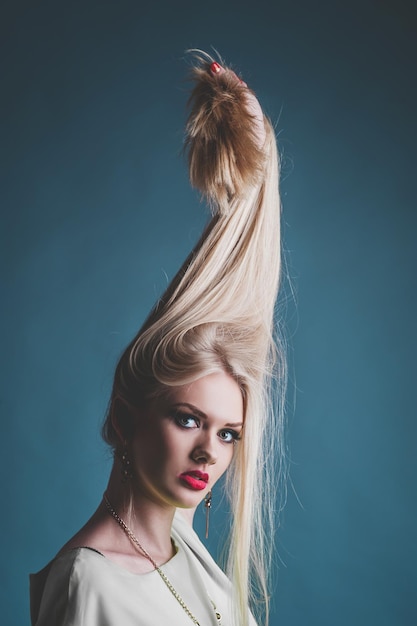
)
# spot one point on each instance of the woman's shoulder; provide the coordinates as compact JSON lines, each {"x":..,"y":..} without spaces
{"x":61,"y":566}
{"x":75,"y":557}
{"x":82,"y":586}
{"x":50,"y":586}
{"x":79,"y":561}
{"x":73,"y":564}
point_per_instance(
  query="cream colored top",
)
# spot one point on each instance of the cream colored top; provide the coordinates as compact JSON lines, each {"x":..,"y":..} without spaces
{"x":83,"y":588}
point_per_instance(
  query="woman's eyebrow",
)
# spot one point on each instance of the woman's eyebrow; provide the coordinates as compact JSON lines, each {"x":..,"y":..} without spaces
{"x":203,"y":415}
{"x":192,"y":408}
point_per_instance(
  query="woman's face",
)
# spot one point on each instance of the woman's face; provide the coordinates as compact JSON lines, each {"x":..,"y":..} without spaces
{"x":185,"y":441}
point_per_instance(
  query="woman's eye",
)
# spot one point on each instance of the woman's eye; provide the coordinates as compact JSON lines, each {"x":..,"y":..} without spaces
{"x":229,"y":436}
{"x":186,"y":421}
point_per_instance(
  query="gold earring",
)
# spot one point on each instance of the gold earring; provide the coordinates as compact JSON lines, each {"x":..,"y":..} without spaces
{"x":126,"y":465}
{"x":207,"y":506}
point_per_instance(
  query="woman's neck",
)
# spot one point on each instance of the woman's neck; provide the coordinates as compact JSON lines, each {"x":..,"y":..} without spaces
{"x":148,"y":520}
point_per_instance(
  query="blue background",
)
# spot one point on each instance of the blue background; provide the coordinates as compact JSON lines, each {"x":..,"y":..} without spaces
{"x":97,"y":213}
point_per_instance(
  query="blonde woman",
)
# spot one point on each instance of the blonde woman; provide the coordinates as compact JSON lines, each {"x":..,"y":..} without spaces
{"x":191,"y":401}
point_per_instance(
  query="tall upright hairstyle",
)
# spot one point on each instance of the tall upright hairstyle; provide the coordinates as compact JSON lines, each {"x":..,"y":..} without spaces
{"x":217,"y":314}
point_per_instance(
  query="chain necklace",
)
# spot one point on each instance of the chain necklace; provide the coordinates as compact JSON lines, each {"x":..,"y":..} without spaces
{"x":166,"y":580}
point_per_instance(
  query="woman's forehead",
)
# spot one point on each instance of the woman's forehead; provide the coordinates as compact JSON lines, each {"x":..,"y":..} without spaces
{"x":215,"y":395}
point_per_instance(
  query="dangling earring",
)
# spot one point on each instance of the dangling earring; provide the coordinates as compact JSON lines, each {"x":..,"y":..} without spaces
{"x":207,"y":506}
{"x":126,"y":465}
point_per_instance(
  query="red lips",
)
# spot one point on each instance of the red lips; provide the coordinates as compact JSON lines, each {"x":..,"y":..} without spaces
{"x":195,"y":479}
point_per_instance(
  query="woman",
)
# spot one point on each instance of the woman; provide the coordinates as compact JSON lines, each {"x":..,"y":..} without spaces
{"x":190,"y":400}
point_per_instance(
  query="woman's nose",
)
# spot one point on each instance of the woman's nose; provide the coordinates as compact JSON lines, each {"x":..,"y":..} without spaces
{"x":205,"y":451}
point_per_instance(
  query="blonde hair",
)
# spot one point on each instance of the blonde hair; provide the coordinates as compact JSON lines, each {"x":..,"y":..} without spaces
{"x":218,"y":313}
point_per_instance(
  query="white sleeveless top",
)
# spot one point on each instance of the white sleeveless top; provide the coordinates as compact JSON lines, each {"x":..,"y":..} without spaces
{"x":81,"y":587}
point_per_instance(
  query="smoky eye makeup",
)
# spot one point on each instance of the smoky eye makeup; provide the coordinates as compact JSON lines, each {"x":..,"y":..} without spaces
{"x":188,"y":417}
{"x":229,"y":435}
{"x":184,"y":419}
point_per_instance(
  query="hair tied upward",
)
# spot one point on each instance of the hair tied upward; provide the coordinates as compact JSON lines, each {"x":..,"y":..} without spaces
{"x":224,"y":135}
{"x":217,"y":313}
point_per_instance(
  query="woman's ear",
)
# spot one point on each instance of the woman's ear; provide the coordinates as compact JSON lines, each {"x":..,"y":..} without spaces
{"x":123,"y":419}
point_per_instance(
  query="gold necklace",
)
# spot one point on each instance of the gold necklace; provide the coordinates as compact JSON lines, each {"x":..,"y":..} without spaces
{"x":166,"y":580}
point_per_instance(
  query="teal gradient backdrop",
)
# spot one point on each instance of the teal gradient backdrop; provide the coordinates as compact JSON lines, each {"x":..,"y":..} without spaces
{"x":97,"y":213}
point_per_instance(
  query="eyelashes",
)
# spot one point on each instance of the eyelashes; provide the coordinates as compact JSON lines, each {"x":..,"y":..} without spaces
{"x":186,"y":420}
{"x":229,"y":436}
{"x":189,"y":421}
